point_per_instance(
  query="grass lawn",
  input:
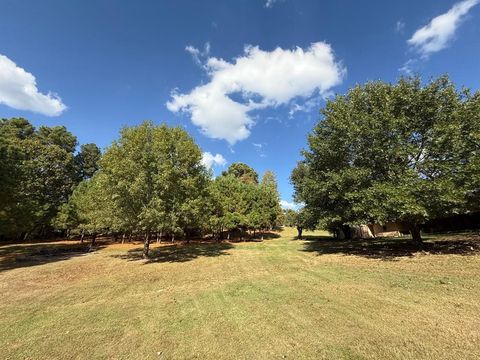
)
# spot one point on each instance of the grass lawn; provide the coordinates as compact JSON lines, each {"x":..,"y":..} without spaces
{"x":277,"y":299}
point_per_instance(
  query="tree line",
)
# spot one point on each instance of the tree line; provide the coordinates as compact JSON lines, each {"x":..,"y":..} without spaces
{"x":38,"y":170}
{"x":150,"y":181}
{"x":404,"y":152}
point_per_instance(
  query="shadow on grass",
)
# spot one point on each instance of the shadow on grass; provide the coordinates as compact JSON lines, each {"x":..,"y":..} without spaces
{"x":25,"y":255}
{"x":259,"y":237}
{"x":178,"y":252}
{"x":392,"y":248}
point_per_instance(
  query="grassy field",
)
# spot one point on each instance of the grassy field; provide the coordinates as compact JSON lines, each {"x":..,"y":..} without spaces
{"x":277,"y":299}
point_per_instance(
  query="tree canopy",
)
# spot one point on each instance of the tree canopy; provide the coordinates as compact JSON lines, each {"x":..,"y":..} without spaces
{"x":151,"y":180}
{"x":243,"y":172}
{"x":403,"y":152}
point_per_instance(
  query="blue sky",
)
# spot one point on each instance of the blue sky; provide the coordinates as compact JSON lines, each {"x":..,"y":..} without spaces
{"x":245,"y":78}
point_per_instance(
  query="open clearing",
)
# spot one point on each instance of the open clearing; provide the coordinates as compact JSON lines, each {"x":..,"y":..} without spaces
{"x":277,"y":299}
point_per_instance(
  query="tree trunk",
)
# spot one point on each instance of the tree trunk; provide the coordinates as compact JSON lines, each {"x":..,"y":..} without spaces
{"x":300,"y":230}
{"x":123,"y":238}
{"x":228,"y":235}
{"x":81,"y":237}
{"x":416,"y":235}
{"x":173,"y":237}
{"x":146,"y":245}
{"x":92,"y":244}
{"x":130,"y":237}
{"x":347,"y":232}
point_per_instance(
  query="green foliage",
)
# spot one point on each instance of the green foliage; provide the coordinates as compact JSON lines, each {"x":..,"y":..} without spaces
{"x":392,"y":152}
{"x":37,"y":176}
{"x":243,"y":172}
{"x":149,"y":180}
{"x":87,"y":160}
{"x":154,"y":179}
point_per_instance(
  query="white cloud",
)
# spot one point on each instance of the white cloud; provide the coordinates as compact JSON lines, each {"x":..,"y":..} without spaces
{"x":209,"y":160}
{"x":270,"y":3}
{"x":289,"y":205}
{"x":18,"y":89}
{"x":399,"y":27}
{"x":307,"y":106}
{"x":261,"y":79}
{"x":437,"y":34}
{"x":198,"y":55}
{"x":409,"y":66}
{"x":259,"y":149}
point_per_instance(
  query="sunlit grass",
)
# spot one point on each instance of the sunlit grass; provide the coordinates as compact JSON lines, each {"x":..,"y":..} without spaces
{"x":280,"y":298}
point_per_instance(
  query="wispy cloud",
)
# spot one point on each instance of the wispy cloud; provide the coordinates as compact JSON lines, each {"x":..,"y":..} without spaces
{"x":399,"y":27}
{"x":198,"y":55}
{"x":270,"y":3}
{"x":438,"y":33}
{"x":259,"y":148}
{"x":18,"y":90}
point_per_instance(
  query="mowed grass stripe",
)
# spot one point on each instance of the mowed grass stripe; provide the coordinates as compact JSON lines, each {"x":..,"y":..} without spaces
{"x":269,"y":300}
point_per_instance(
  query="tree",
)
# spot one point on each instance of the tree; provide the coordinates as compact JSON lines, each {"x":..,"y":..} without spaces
{"x":87,"y":160}
{"x":154,"y":176}
{"x":302,"y":219}
{"x":232,"y":199}
{"x":37,"y":176}
{"x":243,"y":172}
{"x":392,"y":152}
{"x":271,"y":198}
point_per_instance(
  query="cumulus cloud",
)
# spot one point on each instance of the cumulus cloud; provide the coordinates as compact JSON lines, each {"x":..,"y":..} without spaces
{"x":437,"y":34}
{"x":288,"y":205}
{"x":18,"y":89}
{"x":256,"y":80}
{"x":209,"y":160}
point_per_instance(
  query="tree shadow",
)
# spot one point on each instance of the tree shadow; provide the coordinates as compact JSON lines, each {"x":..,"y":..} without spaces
{"x":178,"y":252}
{"x":14,"y":256}
{"x":259,"y":237}
{"x":390,"y":249}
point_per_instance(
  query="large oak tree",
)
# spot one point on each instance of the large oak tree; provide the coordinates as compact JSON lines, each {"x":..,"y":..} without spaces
{"x":384,"y":152}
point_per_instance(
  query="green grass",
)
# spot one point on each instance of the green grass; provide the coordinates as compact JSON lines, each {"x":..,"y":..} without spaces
{"x":276,"y":299}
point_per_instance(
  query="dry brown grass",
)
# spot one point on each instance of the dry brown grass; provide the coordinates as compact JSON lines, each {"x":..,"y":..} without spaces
{"x":281,"y":298}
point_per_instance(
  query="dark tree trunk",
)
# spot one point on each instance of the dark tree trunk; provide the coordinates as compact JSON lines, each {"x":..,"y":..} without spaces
{"x":146,"y":245}
{"x":300,"y":230}
{"x":416,"y":235}
{"x":92,"y":244}
{"x":347,"y":232}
